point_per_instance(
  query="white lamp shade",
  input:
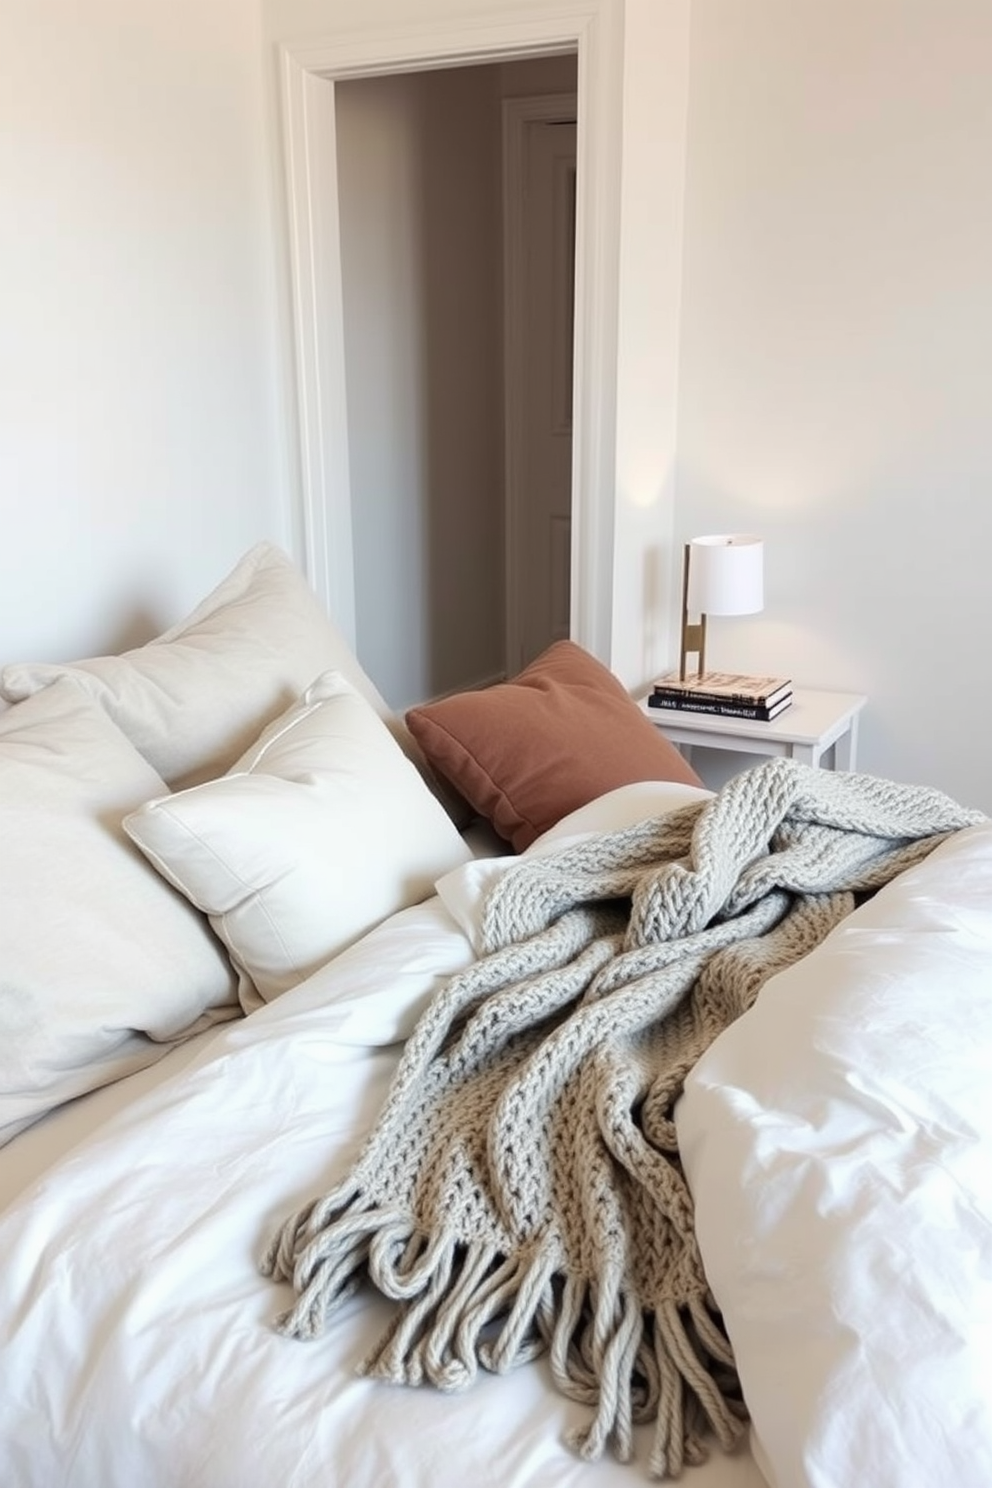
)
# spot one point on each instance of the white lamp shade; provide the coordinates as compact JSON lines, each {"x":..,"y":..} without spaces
{"x":726,"y":574}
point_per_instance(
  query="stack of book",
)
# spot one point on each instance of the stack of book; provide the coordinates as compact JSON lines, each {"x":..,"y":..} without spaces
{"x":726,"y":693}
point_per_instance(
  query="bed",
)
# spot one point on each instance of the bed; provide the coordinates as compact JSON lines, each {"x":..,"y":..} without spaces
{"x":204,"y":1011}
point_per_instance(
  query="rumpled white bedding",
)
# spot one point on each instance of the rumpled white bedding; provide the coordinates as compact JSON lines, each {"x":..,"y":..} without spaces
{"x":136,"y":1332}
{"x":838,"y":1140}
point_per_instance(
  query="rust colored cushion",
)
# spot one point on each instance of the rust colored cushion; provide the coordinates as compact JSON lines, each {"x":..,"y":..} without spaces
{"x":524,"y":753}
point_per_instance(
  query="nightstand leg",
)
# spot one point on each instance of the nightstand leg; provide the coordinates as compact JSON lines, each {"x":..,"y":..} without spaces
{"x":846,"y":748}
{"x":806,"y":754}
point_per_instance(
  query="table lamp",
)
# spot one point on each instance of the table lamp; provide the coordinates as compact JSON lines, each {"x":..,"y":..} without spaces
{"x":727,"y":578}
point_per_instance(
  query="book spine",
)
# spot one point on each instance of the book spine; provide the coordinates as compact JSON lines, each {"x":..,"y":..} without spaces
{"x":723,"y":709}
{"x":676,"y":698}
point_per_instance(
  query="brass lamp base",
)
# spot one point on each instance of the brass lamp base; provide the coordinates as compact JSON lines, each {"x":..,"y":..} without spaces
{"x":693,"y":635}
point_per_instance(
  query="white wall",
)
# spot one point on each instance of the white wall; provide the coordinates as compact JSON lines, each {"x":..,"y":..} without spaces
{"x":142,"y":443}
{"x":809,"y":358}
{"x":835,"y":384}
{"x":645,"y":562}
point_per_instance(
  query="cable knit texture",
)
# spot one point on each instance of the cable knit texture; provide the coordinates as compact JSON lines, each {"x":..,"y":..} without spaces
{"x":521,"y":1191}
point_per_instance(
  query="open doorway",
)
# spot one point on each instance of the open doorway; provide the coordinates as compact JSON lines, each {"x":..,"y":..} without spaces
{"x":311,"y":72}
{"x":457,"y":308}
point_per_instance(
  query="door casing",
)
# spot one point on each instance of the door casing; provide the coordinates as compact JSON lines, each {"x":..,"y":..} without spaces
{"x":525,"y":605}
{"x":308,"y":72}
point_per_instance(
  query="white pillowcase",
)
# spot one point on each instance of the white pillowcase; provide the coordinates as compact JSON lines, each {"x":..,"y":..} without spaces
{"x":838,"y":1142}
{"x":318,"y":833}
{"x":194,"y":699}
{"x":373,"y":993}
{"x":103,"y":965}
{"x":617,"y":809}
{"x":464,"y":890}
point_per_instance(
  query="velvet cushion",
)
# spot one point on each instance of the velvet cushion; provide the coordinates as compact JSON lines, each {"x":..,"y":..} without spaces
{"x":525,"y":753}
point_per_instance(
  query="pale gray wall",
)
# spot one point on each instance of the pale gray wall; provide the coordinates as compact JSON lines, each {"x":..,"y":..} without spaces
{"x":419,"y":159}
{"x":834,"y":386}
{"x":142,"y":442}
{"x":836,"y":382}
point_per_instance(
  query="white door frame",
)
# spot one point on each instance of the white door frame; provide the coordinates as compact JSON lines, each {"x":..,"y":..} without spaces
{"x":518,"y":114}
{"x":594,"y":30}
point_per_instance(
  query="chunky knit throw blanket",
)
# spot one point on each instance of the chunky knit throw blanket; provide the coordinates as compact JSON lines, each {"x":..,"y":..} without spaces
{"x":521,"y":1190}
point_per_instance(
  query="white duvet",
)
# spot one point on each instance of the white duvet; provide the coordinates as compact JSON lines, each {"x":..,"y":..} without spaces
{"x":838,"y":1139}
{"x":136,"y":1339}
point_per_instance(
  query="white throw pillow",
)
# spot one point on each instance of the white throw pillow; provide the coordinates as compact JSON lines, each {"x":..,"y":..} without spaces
{"x":319,"y":832}
{"x":838,"y":1142}
{"x":192,"y":700}
{"x":619,"y":808}
{"x":102,"y":964}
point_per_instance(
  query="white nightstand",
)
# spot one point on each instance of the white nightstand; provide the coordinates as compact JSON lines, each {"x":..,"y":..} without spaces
{"x":815,"y":726}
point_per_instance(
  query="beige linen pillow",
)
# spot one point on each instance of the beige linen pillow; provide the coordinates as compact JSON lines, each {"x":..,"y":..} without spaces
{"x":322,"y":830}
{"x":192,"y":700}
{"x":103,"y":964}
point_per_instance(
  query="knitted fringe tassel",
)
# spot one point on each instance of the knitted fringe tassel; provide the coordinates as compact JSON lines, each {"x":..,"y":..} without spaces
{"x":673,"y":1367}
{"x":463,"y":1307}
